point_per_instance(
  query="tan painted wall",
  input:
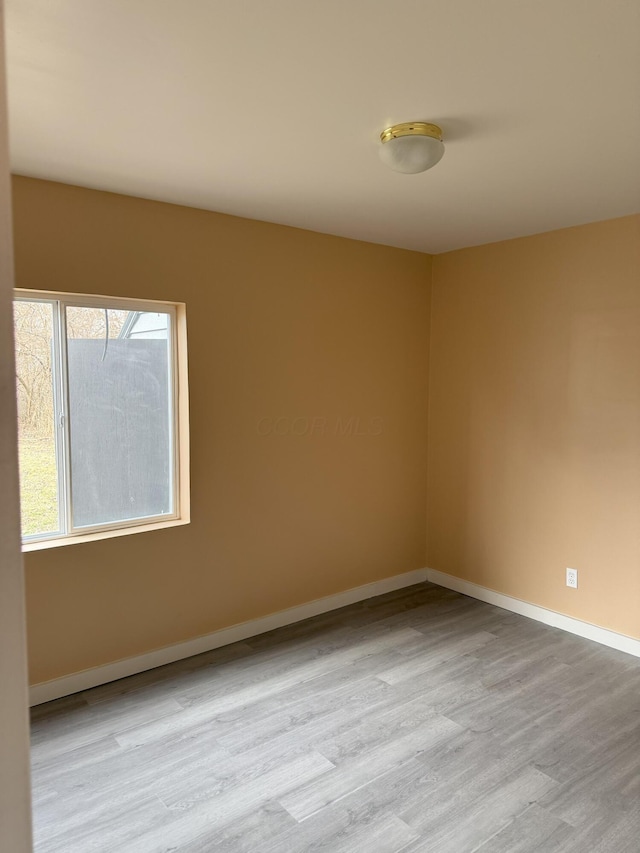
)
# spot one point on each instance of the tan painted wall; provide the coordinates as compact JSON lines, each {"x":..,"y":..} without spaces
{"x":534,"y":424}
{"x":534,"y":430}
{"x":15,"y":794}
{"x":282,"y":323}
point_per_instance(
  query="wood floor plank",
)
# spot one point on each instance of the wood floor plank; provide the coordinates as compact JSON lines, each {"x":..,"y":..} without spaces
{"x":197,"y":817}
{"x":532,"y":831}
{"x":466,"y":822}
{"x":113,"y":826}
{"x":311,"y":721}
{"x":435,"y":653}
{"x":249,"y":833}
{"x":90,"y":724}
{"x":223,"y":695}
{"x":385,"y":833}
{"x":166,"y":680}
{"x":358,"y":772}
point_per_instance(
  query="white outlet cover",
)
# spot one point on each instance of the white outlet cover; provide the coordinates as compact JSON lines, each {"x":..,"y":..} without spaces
{"x":572,"y":578}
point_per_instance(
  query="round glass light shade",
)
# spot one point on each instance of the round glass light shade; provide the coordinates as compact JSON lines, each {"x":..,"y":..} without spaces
{"x":411,"y":154}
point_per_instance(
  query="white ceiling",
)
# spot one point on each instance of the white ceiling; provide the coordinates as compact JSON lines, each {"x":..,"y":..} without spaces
{"x":272,"y":109}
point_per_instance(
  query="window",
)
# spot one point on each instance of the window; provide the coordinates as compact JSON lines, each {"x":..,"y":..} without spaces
{"x":98,"y":414}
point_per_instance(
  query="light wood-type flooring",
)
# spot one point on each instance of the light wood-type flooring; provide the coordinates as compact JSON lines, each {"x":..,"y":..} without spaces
{"x":417,"y":721}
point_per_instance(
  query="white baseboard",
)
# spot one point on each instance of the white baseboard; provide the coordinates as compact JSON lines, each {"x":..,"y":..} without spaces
{"x":622,"y":642}
{"x":45,"y":691}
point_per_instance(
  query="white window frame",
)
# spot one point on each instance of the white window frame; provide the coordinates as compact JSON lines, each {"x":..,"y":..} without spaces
{"x":179,"y":406}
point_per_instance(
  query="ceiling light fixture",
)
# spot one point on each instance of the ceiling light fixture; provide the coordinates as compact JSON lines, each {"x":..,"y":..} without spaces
{"x":411,"y":147}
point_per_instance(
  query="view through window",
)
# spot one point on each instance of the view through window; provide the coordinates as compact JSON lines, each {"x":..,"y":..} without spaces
{"x":96,"y":414}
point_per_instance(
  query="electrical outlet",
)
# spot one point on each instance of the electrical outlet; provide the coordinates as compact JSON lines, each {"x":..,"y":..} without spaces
{"x":572,"y":578}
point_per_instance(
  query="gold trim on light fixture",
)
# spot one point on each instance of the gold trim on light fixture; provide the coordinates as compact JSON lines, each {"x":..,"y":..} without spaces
{"x":412,"y":128}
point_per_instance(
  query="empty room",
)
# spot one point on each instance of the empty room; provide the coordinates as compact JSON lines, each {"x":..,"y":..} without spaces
{"x":320,"y":426}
